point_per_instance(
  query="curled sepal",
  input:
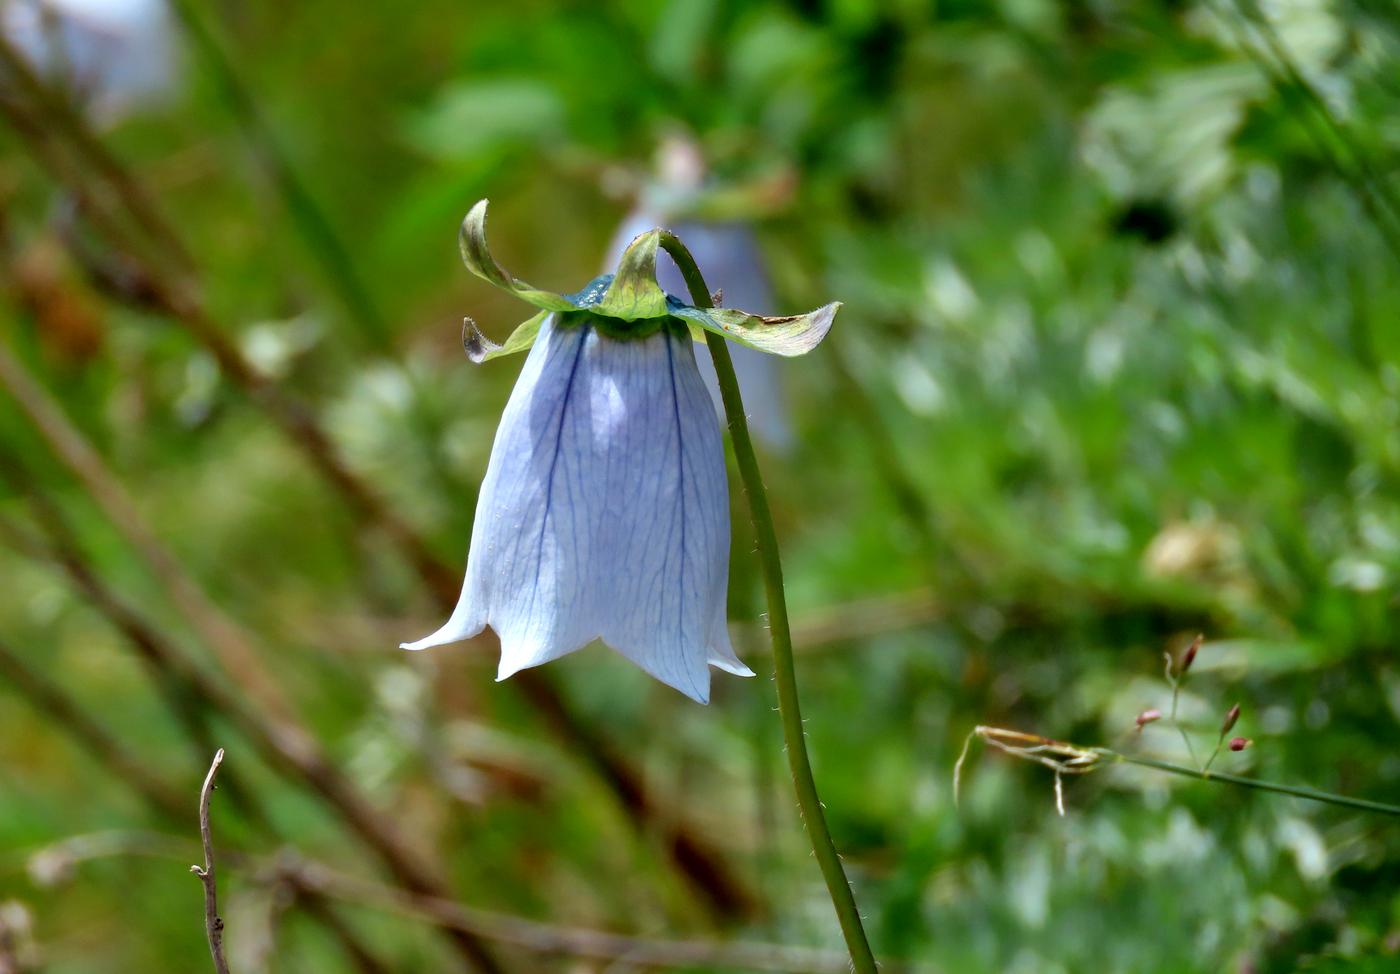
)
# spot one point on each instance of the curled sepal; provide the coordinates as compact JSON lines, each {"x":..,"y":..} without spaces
{"x":634,"y":293}
{"x":786,"y":335}
{"x":477,"y":256}
{"x":482,"y":349}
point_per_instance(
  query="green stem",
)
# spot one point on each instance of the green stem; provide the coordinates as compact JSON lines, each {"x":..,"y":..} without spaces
{"x":784,"y":672}
{"x":1311,"y":794}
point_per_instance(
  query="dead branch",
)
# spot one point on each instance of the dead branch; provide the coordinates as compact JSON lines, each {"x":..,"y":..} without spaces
{"x":213,"y":923}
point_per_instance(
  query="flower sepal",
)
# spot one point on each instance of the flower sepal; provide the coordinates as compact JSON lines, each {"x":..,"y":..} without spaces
{"x":628,"y":303}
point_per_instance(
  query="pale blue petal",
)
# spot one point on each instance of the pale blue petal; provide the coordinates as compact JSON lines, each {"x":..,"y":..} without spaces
{"x":604,"y":513}
{"x":667,"y":563}
{"x":722,"y":650}
{"x":529,"y":559}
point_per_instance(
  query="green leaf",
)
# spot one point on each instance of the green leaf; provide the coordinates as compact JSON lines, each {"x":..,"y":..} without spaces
{"x":634,"y":292}
{"x":477,"y":256}
{"x":787,"y":335}
{"x":482,"y":349}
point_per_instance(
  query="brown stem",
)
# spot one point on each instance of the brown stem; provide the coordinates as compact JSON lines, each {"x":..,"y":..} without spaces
{"x":357,"y":953}
{"x":213,"y":923}
{"x":533,"y":936}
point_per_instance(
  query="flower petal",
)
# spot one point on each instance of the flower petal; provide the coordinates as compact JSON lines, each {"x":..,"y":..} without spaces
{"x":531,"y":540}
{"x":666,"y":560}
{"x":604,"y":511}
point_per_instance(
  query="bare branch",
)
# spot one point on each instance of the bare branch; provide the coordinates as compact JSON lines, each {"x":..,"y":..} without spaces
{"x":213,"y":923}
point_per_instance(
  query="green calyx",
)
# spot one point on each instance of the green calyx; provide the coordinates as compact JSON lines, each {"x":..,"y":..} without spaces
{"x":627,"y":304}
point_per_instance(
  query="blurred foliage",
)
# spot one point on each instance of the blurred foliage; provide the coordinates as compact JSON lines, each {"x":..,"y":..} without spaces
{"x":1118,"y":363}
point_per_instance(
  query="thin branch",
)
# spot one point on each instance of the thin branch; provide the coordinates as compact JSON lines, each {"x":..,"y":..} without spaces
{"x":57,"y":110}
{"x":863,"y":618}
{"x":69,"y":717}
{"x":357,"y":953}
{"x":172,"y":688}
{"x":213,"y":923}
{"x":1296,"y":791}
{"x":553,"y":939}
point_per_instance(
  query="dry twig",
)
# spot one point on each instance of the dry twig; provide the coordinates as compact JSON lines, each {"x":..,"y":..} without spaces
{"x":213,"y":923}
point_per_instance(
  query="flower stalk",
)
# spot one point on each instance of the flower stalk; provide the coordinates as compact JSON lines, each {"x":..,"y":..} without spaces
{"x":784,"y":670}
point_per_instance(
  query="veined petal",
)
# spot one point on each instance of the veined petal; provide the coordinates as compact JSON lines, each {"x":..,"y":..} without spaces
{"x":604,"y":512}
{"x":530,"y":552}
{"x":667,"y":562}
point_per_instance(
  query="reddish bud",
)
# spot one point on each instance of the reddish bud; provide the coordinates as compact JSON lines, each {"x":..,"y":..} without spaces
{"x":1147,"y":717}
{"x":1189,"y":656}
{"x":1239,"y":743}
{"x":1230,"y":719}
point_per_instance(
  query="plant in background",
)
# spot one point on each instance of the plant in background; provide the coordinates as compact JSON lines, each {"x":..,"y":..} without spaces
{"x":1063,"y":757}
{"x":604,"y":510}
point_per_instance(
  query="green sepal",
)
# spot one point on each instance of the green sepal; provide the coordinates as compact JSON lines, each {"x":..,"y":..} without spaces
{"x":634,"y":292}
{"x":628,"y":304}
{"x":477,"y":256}
{"x":482,"y":349}
{"x":786,"y":335}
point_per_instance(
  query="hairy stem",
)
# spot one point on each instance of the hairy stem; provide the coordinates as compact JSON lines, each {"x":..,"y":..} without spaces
{"x":784,"y":672}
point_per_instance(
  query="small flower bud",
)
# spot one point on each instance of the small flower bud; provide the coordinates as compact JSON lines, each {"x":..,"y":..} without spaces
{"x":1230,"y":719}
{"x":1189,"y":656}
{"x":1148,"y":717}
{"x":1239,"y":743}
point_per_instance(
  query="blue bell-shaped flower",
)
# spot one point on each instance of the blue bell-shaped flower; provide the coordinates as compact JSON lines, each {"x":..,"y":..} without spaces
{"x":604,"y":513}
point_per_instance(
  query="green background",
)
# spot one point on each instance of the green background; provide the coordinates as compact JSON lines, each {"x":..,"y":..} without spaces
{"x":1118,"y":363}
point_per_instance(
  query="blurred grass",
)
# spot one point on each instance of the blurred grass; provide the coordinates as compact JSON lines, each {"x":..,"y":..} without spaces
{"x":1124,"y":319}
